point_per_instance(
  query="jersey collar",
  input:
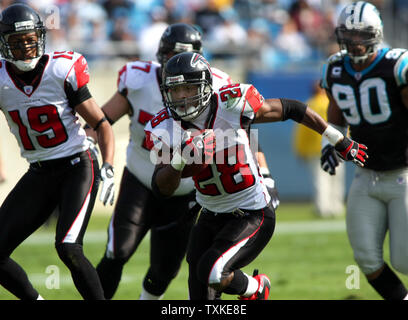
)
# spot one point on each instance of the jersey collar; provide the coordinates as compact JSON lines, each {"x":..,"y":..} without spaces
{"x":359,"y":74}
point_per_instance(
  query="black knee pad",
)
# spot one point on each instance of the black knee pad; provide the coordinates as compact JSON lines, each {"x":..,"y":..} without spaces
{"x":156,"y":283}
{"x":123,"y":254}
{"x":69,"y":253}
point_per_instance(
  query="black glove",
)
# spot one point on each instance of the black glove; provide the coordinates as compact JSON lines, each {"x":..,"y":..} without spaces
{"x":350,"y":150}
{"x":329,"y":159}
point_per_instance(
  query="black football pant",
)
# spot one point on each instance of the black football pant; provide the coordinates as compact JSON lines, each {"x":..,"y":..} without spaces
{"x":223,"y":243}
{"x":69,"y":184}
{"x":136,"y":212}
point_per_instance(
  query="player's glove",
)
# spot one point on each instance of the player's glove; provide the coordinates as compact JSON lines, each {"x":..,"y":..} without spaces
{"x":350,"y":150}
{"x":194,"y":148}
{"x":273,"y":192}
{"x":107,"y":176}
{"x":329,"y":159}
{"x":93,"y":149}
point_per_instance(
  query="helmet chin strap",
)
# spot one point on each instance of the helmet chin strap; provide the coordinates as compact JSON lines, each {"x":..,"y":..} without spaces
{"x":361,"y":59}
{"x":26,"y":66}
{"x":189,"y":114}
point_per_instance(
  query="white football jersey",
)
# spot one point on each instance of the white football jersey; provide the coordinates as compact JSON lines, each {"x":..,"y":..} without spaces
{"x":233,"y":180}
{"x":139,"y":80}
{"x":38,"y":114}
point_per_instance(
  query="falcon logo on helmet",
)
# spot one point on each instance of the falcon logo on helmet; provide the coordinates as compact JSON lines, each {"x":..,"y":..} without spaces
{"x":197,"y":58}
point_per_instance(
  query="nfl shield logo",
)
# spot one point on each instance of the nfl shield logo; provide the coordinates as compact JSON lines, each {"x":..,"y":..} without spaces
{"x":357,"y":75}
{"x":28,"y":89}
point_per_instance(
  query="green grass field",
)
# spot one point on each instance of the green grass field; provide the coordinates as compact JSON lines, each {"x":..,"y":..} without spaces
{"x":307,"y":259}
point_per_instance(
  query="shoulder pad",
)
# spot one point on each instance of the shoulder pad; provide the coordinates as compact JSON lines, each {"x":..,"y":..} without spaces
{"x":232,"y":95}
{"x":401,"y":66}
{"x":241,"y":98}
{"x":72,"y":66}
{"x":220,"y":78}
{"x":136,"y":74}
{"x":336,"y":57}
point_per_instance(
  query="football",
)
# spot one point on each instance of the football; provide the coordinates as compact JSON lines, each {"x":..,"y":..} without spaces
{"x":193,"y":169}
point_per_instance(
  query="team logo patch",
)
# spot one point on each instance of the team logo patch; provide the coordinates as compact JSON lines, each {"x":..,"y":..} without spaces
{"x":75,"y":161}
{"x":336,"y":72}
{"x":353,"y":152}
{"x":28,"y":89}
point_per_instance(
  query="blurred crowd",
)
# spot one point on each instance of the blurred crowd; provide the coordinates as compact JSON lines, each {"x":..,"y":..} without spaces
{"x":271,"y":33}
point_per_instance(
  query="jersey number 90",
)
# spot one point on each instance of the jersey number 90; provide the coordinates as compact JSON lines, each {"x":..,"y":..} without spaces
{"x":373,"y":101}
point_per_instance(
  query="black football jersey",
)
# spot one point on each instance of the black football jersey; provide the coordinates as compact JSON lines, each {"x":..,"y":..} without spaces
{"x":371,"y":104}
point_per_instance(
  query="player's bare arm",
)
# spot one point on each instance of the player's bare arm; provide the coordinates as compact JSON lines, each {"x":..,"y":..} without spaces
{"x":272,"y":110}
{"x":404,"y":96}
{"x":92,"y":114}
{"x":283,"y":109}
{"x":166,"y":179}
{"x":114,"y":109}
{"x":334,"y":113}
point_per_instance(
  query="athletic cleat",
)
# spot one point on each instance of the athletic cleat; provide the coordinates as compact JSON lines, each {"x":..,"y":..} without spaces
{"x":264,"y":285}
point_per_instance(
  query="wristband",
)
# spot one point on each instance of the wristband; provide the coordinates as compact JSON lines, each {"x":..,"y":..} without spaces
{"x":342,"y":129}
{"x":264,"y":171}
{"x":99,"y":123}
{"x":332,"y":135}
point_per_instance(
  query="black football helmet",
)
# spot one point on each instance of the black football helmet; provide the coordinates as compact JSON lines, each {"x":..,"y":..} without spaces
{"x":16,"y":19}
{"x":187,"y":68}
{"x":177,"y":38}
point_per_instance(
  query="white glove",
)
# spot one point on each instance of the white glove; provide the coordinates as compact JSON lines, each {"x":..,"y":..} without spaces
{"x":107,"y":176}
{"x":273,"y":192}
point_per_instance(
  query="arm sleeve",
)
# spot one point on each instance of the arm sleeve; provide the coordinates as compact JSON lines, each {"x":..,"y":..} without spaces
{"x":78,"y":96}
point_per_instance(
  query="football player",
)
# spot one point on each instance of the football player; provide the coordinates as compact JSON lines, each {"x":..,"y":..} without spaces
{"x":367,"y":88}
{"x":40,"y":94}
{"x":236,"y":220}
{"x":137,"y":210}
